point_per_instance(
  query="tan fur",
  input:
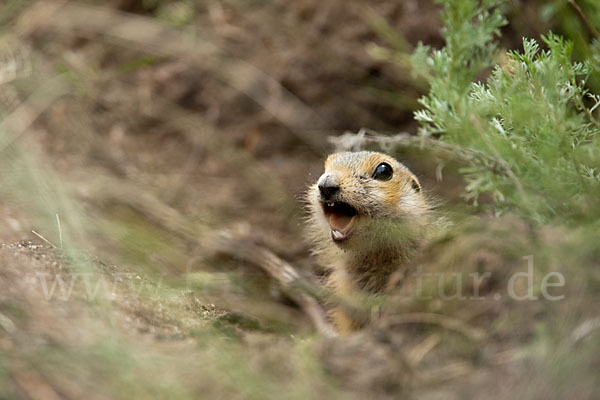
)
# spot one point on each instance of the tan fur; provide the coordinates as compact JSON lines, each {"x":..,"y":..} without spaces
{"x":393,"y":220}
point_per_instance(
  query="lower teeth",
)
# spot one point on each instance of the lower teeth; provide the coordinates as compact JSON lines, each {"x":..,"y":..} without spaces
{"x":338,"y":235}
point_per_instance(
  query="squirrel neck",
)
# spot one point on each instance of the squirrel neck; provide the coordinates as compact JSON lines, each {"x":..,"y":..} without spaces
{"x":370,"y":271}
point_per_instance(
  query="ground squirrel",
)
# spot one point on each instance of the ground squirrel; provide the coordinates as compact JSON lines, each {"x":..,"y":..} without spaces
{"x":368,"y":216}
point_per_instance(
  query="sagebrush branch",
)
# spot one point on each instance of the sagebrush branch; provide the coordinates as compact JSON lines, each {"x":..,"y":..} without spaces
{"x":367,"y":139}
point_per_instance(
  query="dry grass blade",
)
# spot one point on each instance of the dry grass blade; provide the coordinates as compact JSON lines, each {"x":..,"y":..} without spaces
{"x":417,"y":353}
{"x":583,"y":330}
{"x":15,"y":124}
{"x":107,"y":188}
{"x":7,"y":324}
{"x":145,"y":34}
{"x":43,"y":238}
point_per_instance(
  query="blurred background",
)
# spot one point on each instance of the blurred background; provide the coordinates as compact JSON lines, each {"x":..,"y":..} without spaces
{"x":131,"y":131}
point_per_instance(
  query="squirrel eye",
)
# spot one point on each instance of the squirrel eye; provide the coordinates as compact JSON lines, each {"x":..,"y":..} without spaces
{"x":383,"y":172}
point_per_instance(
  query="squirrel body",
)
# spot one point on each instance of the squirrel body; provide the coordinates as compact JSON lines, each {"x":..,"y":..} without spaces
{"x":368,"y":216}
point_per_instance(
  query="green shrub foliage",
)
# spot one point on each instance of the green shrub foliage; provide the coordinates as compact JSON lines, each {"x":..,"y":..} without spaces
{"x":528,"y":115}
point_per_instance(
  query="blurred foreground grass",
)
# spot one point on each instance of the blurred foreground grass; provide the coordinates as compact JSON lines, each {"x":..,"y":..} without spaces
{"x":136,"y":129}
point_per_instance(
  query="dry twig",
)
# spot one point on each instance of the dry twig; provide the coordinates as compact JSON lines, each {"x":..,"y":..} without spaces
{"x":285,"y":274}
{"x":418,"y":352}
{"x":584,"y":18}
{"x":369,"y":139}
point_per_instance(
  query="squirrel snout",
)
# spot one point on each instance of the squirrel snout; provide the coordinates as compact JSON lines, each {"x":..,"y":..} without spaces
{"x":328,"y":186}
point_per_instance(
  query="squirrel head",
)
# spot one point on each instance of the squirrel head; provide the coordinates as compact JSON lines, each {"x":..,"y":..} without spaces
{"x":365,"y":198}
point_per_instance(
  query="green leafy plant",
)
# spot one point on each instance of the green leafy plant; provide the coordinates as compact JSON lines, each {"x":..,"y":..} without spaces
{"x":532,"y":117}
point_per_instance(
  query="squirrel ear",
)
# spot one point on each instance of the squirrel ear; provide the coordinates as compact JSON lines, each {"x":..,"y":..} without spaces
{"x":415,"y":184}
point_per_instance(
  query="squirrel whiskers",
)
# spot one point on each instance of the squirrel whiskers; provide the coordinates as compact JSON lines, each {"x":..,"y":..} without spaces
{"x":368,"y":216}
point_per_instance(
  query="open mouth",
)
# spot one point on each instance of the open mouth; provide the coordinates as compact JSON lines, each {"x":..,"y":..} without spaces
{"x":341,"y":217}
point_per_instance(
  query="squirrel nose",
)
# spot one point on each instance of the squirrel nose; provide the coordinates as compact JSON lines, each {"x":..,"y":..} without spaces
{"x":328,"y":186}
{"x":328,"y":191}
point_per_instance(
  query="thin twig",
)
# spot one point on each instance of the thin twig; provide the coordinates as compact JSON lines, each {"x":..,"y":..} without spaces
{"x":582,"y":107}
{"x":585,"y":20}
{"x":15,"y":124}
{"x":285,"y":274}
{"x":418,"y":352}
{"x":106,"y":189}
{"x":59,"y":231}
{"x":366,"y":138}
{"x":43,"y":238}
